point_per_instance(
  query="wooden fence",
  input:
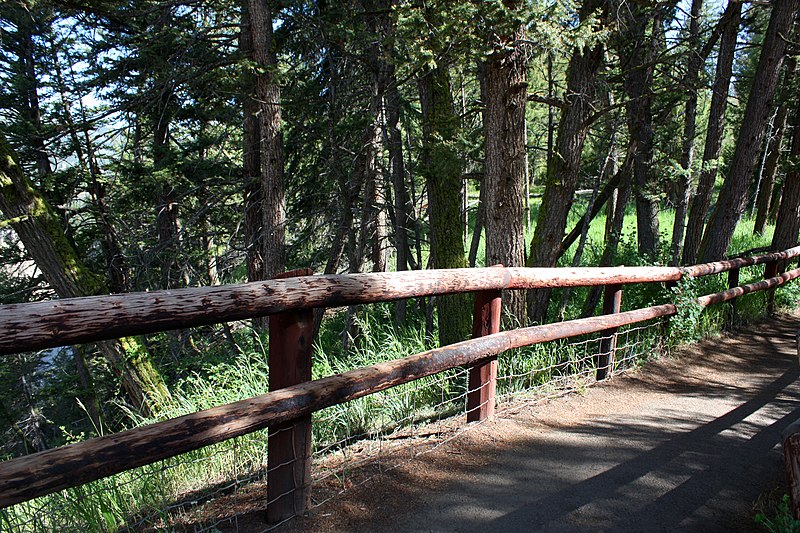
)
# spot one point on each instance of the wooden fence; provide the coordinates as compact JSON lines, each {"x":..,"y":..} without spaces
{"x":286,"y":410}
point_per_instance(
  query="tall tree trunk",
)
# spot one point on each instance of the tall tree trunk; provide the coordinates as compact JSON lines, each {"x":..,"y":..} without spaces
{"x":35,"y":420}
{"x":770,"y":171}
{"x":505,"y":160}
{"x":166,"y":206}
{"x":10,"y":421}
{"x":694,"y":63}
{"x":765,"y":192}
{"x":346,"y":196}
{"x":166,"y":196}
{"x":88,"y":392}
{"x":39,"y":229}
{"x":564,"y":168}
{"x":251,"y":157}
{"x":787,"y":225}
{"x":402,"y":207}
{"x":716,"y":128}
{"x":732,"y":197}
{"x":374,"y":221}
{"x":637,"y":53}
{"x":31,"y":109}
{"x":268,"y":94}
{"x":477,"y":230}
{"x":608,"y":195}
{"x":441,"y":166}
{"x":613,"y":237}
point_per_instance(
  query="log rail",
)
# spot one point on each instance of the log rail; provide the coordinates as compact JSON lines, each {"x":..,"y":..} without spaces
{"x":25,"y":327}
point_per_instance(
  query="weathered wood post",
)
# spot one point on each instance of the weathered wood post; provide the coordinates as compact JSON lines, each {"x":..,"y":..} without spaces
{"x":791,"y":460}
{"x":289,"y":443}
{"x":612,"y":302}
{"x":770,"y":271}
{"x":482,"y":382}
{"x":733,"y":281}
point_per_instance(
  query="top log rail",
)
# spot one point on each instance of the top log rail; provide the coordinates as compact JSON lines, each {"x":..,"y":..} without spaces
{"x":51,"y":323}
{"x":47,"y":324}
{"x":45,"y":472}
{"x":718,"y":267}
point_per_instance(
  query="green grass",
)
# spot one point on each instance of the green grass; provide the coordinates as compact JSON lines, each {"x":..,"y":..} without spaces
{"x":777,"y":518}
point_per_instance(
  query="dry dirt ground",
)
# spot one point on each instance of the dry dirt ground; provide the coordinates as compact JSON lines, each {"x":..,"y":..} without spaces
{"x":688,"y":443}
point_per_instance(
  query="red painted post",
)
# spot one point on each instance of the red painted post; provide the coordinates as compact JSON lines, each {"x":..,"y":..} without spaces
{"x":770,"y":271}
{"x":289,"y":444}
{"x":612,"y":302}
{"x":733,"y":281}
{"x":482,"y":382}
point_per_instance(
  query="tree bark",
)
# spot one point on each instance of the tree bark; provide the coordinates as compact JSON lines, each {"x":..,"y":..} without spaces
{"x":613,"y":236}
{"x":374,"y":220}
{"x":765,"y":192}
{"x":268,"y":94}
{"x":787,"y":225}
{"x":251,"y":157}
{"x":564,"y":169}
{"x":733,"y":195}
{"x":637,"y":55}
{"x":716,"y":128}
{"x":391,"y":101}
{"x":505,"y":160}
{"x":441,"y":167}
{"x":693,"y":65}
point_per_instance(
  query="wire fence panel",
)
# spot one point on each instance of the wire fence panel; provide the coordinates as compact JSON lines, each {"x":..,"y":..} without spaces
{"x":353,"y":443}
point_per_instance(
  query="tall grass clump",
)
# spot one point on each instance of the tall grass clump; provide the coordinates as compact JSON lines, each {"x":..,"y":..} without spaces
{"x":378,"y":340}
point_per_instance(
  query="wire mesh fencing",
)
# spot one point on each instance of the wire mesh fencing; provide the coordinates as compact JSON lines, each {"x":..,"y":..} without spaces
{"x":224,"y":487}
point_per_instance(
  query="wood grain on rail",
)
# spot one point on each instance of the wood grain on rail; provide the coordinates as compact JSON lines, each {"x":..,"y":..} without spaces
{"x":39,"y":325}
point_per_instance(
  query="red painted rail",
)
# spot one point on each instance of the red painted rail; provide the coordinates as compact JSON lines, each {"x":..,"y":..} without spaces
{"x":293,"y":397}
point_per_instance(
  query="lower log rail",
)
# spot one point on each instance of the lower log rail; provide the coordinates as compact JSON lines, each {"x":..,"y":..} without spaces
{"x":46,"y":472}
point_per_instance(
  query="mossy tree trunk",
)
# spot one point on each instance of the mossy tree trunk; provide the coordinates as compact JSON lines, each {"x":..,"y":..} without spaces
{"x":40,"y":231}
{"x":441,"y":167}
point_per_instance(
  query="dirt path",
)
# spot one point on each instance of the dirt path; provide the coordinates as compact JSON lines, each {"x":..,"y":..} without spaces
{"x":687,"y":444}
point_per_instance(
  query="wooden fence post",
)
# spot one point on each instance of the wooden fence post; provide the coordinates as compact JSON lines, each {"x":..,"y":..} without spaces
{"x":482,"y":382}
{"x":733,"y":281}
{"x":612,"y":302}
{"x":791,"y":461}
{"x":770,"y":271}
{"x":289,"y":444}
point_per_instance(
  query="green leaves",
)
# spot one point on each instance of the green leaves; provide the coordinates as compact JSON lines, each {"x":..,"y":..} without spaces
{"x":684,"y":327}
